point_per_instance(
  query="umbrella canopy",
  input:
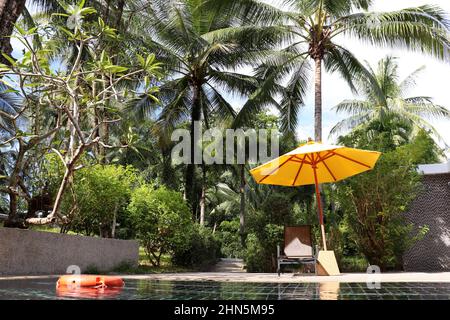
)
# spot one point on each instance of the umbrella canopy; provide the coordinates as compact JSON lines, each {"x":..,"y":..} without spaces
{"x":315,"y":163}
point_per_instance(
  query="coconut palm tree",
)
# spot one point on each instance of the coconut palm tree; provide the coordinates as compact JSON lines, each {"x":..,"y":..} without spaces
{"x":387,"y":98}
{"x":202,"y":50}
{"x":321,"y":28}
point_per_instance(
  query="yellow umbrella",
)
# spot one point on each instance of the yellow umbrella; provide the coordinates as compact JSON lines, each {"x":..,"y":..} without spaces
{"x":315,"y":163}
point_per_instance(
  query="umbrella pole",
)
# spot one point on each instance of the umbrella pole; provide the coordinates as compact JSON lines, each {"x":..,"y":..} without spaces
{"x":319,"y":208}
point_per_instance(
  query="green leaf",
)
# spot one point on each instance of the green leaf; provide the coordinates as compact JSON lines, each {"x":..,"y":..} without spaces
{"x":60,"y":14}
{"x":2,"y":80}
{"x":32,"y":30}
{"x":70,"y":34}
{"x":141,"y":60}
{"x":150,"y":60}
{"x":101,"y":23}
{"x":4,"y":67}
{"x":7,"y":57}
{"x":115,"y":69}
{"x":20,"y":29}
{"x":87,"y":11}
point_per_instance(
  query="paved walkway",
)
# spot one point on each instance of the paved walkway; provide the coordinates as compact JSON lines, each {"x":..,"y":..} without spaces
{"x":228,"y":265}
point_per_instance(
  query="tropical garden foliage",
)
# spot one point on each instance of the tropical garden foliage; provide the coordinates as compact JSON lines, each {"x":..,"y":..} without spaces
{"x":87,"y":110}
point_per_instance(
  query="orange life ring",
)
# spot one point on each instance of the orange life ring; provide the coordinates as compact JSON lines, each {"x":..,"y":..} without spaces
{"x":92,"y":281}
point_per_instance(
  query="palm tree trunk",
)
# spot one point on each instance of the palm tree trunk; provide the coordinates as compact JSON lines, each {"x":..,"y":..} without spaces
{"x":318,"y":100}
{"x":203,"y":197}
{"x":10,"y":10}
{"x":190,"y":184}
{"x":120,"y":8}
{"x":242,"y":206}
{"x":318,"y":120}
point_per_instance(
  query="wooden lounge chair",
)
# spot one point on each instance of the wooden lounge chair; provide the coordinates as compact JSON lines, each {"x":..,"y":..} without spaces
{"x":298,"y":247}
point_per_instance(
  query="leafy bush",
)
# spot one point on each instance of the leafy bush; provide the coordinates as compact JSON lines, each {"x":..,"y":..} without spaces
{"x":266,"y":232}
{"x":228,"y":235}
{"x":278,"y":208}
{"x":374,"y":204}
{"x":102,"y":193}
{"x":261,"y":253}
{"x":201,"y":250}
{"x":255,"y":258}
{"x":161,"y":219}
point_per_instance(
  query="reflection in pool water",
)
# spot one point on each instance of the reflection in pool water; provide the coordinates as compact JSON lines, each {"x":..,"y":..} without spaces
{"x":329,"y":290}
{"x":88,"y":293}
{"x":209,"y":290}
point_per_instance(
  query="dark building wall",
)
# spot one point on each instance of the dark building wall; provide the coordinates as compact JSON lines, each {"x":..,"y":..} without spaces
{"x":431,"y":208}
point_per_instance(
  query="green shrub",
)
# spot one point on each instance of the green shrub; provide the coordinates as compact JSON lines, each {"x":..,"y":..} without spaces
{"x":278,"y":209}
{"x":228,"y":235}
{"x":266,"y":232}
{"x":102,"y":193}
{"x":255,"y":260}
{"x":374,"y":204}
{"x":97,"y":198}
{"x":261,"y":248}
{"x":161,"y":219}
{"x":201,"y":250}
{"x":353,"y":264}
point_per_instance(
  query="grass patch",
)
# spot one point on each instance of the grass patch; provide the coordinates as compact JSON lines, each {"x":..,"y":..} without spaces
{"x":166,"y":265}
{"x":49,"y":228}
{"x":353,"y":264}
{"x":44,"y":228}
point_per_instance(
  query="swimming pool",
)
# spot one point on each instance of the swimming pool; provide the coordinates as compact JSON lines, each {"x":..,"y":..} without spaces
{"x":134,"y":289}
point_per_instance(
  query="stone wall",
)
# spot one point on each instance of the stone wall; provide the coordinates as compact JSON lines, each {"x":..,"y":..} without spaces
{"x":27,"y":252}
{"x":431,"y":208}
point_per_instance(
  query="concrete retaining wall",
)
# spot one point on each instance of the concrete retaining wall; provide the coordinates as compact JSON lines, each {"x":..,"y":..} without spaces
{"x":26,"y":252}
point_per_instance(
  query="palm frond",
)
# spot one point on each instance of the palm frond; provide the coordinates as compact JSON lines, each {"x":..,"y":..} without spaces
{"x":423,"y":29}
{"x":410,"y":81}
{"x":353,"y":107}
{"x":10,"y":104}
{"x":339,"y":59}
{"x":249,"y":11}
{"x":427,"y":109}
{"x":349,"y":123}
{"x":293,"y":97}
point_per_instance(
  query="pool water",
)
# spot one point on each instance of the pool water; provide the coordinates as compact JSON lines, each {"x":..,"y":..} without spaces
{"x":208,"y":290}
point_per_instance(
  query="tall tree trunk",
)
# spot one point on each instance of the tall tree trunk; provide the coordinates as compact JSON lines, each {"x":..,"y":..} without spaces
{"x":13,"y":185}
{"x":167,"y":174}
{"x":114,"y":222}
{"x":318,"y":114}
{"x":10,"y":10}
{"x":115,"y":22}
{"x":104,"y":137}
{"x":203,"y":197}
{"x":120,"y":8}
{"x":318,"y":100}
{"x":73,"y":131}
{"x":190,"y":185}
{"x":242,"y":205}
